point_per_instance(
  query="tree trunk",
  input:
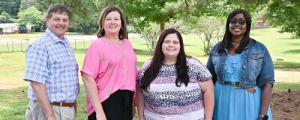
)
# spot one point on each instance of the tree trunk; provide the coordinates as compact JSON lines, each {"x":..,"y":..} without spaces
{"x":162,"y":26}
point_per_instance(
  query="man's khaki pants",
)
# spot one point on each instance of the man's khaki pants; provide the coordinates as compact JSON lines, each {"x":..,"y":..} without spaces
{"x":34,"y":112}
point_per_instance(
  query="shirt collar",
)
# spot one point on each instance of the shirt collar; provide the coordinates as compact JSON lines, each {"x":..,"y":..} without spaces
{"x":54,"y":37}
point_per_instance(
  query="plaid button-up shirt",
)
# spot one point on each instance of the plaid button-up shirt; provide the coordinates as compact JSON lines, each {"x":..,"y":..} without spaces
{"x":51,"y":61}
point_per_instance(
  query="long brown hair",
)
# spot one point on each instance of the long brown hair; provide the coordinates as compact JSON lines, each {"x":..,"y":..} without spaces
{"x":157,"y":61}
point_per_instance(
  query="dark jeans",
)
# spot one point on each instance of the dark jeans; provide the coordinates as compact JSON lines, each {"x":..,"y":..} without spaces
{"x":117,"y":107}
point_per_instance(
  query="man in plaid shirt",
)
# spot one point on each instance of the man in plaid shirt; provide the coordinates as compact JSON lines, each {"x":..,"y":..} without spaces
{"x":52,"y":71}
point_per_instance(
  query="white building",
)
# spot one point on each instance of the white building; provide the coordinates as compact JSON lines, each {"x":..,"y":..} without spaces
{"x":6,"y":28}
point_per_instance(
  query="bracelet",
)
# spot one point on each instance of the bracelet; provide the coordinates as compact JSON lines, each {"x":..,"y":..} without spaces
{"x":262,"y":117}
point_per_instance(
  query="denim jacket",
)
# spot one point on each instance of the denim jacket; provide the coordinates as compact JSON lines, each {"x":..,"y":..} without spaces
{"x":257,"y":66}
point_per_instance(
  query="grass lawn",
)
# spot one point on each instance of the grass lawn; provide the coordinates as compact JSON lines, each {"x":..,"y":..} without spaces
{"x":284,"y":51}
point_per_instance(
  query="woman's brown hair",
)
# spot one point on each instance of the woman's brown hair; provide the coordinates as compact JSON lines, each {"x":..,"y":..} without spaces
{"x":123,"y":31}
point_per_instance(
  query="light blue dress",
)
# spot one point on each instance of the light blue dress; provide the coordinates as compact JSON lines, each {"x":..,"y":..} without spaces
{"x":236,"y":103}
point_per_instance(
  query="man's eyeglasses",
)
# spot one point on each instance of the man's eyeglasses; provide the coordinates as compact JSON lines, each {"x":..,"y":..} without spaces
{"x":239,"y":21}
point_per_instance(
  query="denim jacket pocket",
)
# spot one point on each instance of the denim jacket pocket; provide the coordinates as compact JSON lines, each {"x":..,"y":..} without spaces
{"x":255,"y":63}
{"x":255,"y":60}
{"x":256,"y":56}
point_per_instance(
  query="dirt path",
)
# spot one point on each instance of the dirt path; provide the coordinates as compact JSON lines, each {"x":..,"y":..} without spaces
{"x":286,"y":105}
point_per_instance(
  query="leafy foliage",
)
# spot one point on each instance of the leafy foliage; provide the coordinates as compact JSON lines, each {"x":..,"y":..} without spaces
{"x":141,"y":14}
{"x":210,"y":30}
{"x":30,"y":16}
{"x":80,"y":8}
{"x":146,"y":12}
{"x":285,"y":13}
{"x":84,"y":16}
{"x":150,"y":35}
{"x":87,"y":26}
{"x":5,"y":18}
{"x":10,"y":6}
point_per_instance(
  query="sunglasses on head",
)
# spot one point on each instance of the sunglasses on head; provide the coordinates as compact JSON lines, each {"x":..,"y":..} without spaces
{"x":239,"y":21}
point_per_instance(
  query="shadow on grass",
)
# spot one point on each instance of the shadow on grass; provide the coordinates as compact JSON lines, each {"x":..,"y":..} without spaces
{"x":141,"y":52}
{"x":293,"y":51}
{"x":294,"y":44}
{"x":185,"y":45}
{"x":80,"y":51}
{"x":286,"y":65}
{"x":281,"y":86}
{"x":144,"y":44}
{"x":139,"y":64}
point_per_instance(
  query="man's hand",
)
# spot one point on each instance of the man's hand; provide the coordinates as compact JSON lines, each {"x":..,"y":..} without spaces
{"x":41,"y":94}
{"x":51,"y":117}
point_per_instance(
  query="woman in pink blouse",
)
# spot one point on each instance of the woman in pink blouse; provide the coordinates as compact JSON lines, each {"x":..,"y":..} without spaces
{"x":109,"y":70}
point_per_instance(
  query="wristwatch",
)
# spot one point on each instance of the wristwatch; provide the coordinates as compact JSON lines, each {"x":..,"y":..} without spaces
{"x":263,"y":117}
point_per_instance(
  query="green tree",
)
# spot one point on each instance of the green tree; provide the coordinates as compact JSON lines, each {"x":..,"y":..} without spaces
{"x":84,"y":16}
{"x":286,"y":14}
{"x":78,"y":8}
{"x":210,"y":30}
{"x":10,"y":6}
{"x":24,"y":4}
{"x":30,"y":16}
{"x":5,"y":18}
{"x":87,"y":26}
{"x":142,"y":13}
{"x":150,"y":35}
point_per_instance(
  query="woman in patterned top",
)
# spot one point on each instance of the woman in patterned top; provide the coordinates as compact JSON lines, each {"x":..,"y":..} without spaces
{"x":172,"y":86}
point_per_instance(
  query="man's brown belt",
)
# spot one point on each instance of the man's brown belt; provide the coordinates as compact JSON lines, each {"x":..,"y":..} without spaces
{"x":64,"y":104}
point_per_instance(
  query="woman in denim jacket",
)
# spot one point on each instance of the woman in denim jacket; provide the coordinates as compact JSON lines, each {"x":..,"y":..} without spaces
{"x":242,"y":71}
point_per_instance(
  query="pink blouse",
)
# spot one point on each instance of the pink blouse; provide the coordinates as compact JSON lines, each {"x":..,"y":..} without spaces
{"x":113,"y":68}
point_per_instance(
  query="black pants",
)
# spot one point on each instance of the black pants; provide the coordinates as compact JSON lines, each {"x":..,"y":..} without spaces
{"x":117,"y":107}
